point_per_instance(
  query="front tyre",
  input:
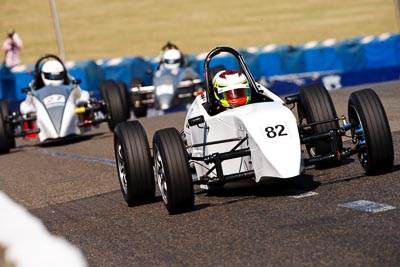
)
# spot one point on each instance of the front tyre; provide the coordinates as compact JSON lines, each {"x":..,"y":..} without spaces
{"x":5,"y":109}
{"x":4,"y":141}
{"x":172,"y":170}
{"x":116,"y":110}
{"x":134,"y":163}
{"x":372,"y":134}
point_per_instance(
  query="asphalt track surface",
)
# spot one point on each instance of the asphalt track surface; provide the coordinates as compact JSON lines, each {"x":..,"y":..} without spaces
{"x":73,"y":188}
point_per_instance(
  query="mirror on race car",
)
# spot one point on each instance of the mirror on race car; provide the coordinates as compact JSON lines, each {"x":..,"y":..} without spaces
{"x":76,"y":81}
{"x":25,"y":90}
{"x":196,"y":120}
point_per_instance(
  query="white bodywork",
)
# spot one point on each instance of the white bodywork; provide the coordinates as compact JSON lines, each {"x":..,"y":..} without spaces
{"x":55,"y":111}
{"x":273,"y":138}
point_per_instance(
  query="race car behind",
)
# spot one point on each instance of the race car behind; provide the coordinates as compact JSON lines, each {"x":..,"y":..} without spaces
{"x":57,"y":108}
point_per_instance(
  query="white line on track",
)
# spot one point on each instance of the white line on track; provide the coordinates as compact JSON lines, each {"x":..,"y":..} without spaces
{"x":367,"y":206}
{"x":306,"y":194}
{"x":54,"y":153}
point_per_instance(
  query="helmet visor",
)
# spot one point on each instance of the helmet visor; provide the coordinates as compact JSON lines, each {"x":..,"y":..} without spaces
{"x":171,"y":61}
{"x":54,"y":76}
{"x":235,"y":97}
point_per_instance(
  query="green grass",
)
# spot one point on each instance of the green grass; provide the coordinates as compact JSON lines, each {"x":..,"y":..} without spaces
{"x":96,"y":29}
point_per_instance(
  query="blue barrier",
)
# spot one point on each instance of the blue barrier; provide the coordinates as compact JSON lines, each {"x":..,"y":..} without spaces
{"x":370,"y":76}
{"x":23,"y":77}
{"x":140,"y":68}
{"x":284,"y":67}
{"x":7,"y":83}
{"x":269,"y":61}
{"x":293,"y":60}
{"x":352,"y":55}
{"x":381,"y":53}
{"x":125,"y":69}
{"x":321,"y":58}
{"x":225,"y":61}
{"x":251,"y":58}
{"x":88,"y":72}
{"x":332,"y":80}
{"x":22,"y":80}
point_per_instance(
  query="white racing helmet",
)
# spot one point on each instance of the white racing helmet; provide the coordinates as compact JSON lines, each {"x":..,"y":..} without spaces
{"x":53,"y":73}
{"x":231,"y":88}
{"x":171,"y":59}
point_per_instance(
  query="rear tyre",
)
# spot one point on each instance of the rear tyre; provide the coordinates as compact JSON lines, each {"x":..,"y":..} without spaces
{"x":172,"y":170}
{"x":112,"y":97}
{"x":5,"y":108}
{"x":372,"y":136}
{"x":4,"y":142}
{"x":125,"y":98}
{"x":134,"y":163}
{"x":317,"y":106}
{"x":139,"y":109}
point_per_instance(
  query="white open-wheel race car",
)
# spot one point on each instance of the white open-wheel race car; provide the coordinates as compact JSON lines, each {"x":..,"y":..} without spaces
{"x":54,"y":112}
{"x":258,"y":141}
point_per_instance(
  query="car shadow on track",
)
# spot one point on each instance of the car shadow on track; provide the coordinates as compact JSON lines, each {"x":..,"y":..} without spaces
{"x":25,"y":145}
{"x":396,"y":168}
{"x":239,"y":192}
{"x":294,"y":186}
{"x":69,"y":140}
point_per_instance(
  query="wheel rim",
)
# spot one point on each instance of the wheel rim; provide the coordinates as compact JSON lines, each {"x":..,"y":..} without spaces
{"x":160,"y":174}
{"x":122,"y":169}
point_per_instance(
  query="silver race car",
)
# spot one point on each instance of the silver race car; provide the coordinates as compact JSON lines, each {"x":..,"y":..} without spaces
{"x":170,"y":89}
{"x":174,"y":85}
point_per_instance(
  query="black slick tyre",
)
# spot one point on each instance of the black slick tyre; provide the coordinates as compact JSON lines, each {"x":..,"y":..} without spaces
{"x":4,"y":142}
{"x":372,"y":134}
{"x":5,"y":108}
{"x":134,"y":163}
{"x":172,"y":171}
{"x":124,"y":98}
{"x":317,"y":106}
{"x":116,"y":110}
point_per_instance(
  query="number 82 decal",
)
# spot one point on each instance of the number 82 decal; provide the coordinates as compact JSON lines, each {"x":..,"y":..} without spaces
{"x":276,"y":131}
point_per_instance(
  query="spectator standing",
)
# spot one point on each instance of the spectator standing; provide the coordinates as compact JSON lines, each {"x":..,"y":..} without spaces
{"x":12,"y":48}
